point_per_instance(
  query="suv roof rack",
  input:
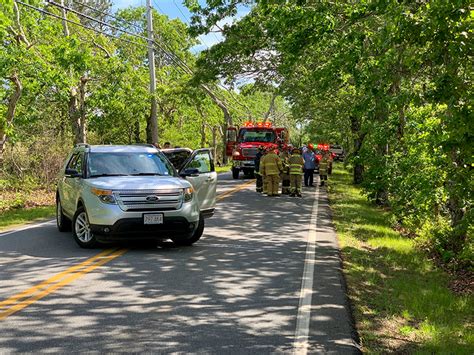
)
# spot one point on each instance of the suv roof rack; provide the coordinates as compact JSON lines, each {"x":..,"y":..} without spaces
{"x":82,"y":145}
{"x":145,"y":145}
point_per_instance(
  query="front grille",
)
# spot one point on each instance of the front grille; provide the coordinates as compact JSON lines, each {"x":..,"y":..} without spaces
{"x":158,"y":200}
{"x":249,"y":152}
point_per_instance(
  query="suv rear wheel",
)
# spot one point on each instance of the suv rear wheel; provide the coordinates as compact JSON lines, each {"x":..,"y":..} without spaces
{"x":193,"y":238}
{"x":81,"y":229}
{"x":63,"y":223}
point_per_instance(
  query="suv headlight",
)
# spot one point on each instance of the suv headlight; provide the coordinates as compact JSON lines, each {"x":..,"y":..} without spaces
{"x":106,"y":196}
{"x":188,"y":194}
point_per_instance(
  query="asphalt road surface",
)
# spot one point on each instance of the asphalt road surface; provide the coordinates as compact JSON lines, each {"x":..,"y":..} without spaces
{"x":264,"y":278}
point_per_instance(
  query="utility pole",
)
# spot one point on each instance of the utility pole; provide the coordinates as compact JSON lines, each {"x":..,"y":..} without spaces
{"x":152,"y":122}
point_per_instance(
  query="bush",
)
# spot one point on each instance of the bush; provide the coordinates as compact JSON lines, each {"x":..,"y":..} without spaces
{"x":436,"y":237}
{"x":36,"y":165}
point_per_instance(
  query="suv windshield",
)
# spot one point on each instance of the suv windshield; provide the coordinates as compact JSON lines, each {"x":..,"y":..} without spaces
{"x":117,"y":164}
{"x":252,"y":135}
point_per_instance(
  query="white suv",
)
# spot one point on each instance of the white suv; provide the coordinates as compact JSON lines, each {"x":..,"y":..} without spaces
{"x":113,"y":192}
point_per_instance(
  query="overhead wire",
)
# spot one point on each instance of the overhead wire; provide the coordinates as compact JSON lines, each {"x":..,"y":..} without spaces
{"x":79,"y":24}
{"x":169,"y":52}
{"x":189,"y":21}
{"x":109,"y":15}
{"x":171,"y":55}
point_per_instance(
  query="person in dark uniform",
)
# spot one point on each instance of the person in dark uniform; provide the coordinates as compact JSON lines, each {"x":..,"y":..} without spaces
{"x":258,"y":176}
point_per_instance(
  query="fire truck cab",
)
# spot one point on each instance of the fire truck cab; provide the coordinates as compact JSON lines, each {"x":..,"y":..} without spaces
{"x":243,"y":143}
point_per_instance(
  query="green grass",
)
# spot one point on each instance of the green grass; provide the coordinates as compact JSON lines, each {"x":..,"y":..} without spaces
{"x":401,"y":300}
{"x":223,"y":169}
{"x":15,"y":217}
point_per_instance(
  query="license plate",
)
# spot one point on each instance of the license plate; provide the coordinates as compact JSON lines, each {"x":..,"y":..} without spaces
{"x":153,"y":218}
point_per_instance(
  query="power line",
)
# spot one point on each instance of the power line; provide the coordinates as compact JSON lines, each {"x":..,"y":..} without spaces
{"x":109,"y":15}
{"x":171,"y":55}
{"x":95,"y":20}
{"x":79,"y":24}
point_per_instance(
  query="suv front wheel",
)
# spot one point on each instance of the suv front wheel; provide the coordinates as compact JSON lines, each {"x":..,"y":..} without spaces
{"x":81,"y":229}
{"x":193,"y":238}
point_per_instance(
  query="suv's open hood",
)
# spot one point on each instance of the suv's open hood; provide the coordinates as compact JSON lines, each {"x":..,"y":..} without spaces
{"x":137,"y":183}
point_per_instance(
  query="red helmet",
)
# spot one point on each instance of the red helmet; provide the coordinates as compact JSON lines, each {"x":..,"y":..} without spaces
{"x":310,"y":146}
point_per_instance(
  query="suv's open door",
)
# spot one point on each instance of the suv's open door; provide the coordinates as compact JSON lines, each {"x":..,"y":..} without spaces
{"x":199,"y":171}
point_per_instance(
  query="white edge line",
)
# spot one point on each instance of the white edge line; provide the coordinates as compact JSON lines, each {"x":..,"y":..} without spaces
{"x":300,"y":345}
{"x":25,"y":228}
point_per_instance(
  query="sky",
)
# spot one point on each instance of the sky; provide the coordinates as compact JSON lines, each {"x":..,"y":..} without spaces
{"x":176,"y":9}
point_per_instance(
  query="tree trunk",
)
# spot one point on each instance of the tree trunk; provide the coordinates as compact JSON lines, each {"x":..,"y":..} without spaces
{"x":12,"y":103}
{"x":152,"y":124}
{"x":214,"y":141}
{"x":203,"y":125}
{"x":270,"y":109}
{"x":227,"y":119}
{"x":82,"y":110}
{"x":137,"y":131}
{"x":77,"y":111}
{"x":358,"y":139}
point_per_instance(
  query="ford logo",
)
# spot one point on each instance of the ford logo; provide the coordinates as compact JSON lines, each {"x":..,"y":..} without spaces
{"x":152,"y":198}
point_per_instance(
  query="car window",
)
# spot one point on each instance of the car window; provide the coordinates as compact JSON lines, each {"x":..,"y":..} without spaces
{"x":177,"y":158}
{"x":112,"y":163}
{"x":203,"y":162}
{"x":76,"y":162}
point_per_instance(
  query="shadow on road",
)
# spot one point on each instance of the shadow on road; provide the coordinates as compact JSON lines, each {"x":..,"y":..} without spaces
{"x":236,"y":291}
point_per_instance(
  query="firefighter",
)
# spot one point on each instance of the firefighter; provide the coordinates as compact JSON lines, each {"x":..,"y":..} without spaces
{"x":323,"y":167}
{"x":296,"y":163}
{"x":258,"y":157}
{"x":270,"y":168}
{"x":285,"y":174}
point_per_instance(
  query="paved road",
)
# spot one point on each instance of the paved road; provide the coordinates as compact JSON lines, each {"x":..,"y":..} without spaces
{"x":264,"y":278}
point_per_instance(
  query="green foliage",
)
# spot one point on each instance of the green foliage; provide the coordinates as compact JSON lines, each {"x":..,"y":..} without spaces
{"x":401,"y":299}
{"x":53,"y":68}
{"x":390,"y":80}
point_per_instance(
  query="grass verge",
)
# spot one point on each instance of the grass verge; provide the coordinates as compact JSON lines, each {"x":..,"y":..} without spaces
{"x":16,"y":217}
{"x":401,"y":301}
{"x":223,"y":169}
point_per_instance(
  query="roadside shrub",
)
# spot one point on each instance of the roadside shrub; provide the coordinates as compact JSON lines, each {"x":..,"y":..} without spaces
{"x":36,"y":165}
{"x":436,"y":237}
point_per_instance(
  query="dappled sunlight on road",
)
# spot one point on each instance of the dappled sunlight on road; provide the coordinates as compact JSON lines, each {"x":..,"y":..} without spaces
{"x":237,"y":288}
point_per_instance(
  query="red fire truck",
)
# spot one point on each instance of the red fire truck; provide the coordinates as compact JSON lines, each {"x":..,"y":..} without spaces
{"x":243,"y":143}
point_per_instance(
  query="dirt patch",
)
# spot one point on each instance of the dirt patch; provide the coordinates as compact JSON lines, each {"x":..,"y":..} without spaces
{"x":462,"y":282}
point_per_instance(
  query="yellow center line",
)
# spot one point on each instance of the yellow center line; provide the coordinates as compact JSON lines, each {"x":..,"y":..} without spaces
{"x":238,"y":188}
{"x":25,"y":298}
{"x":73,"y":276}
{"x":57,"y":277}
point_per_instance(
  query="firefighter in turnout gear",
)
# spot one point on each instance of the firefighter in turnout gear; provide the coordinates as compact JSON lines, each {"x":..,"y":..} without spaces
{"x":296,"y":163}
{"x":270,"y":168}
{"x":323,"y":168}
{"x":258,"y":176}
{"x":285,"y":174}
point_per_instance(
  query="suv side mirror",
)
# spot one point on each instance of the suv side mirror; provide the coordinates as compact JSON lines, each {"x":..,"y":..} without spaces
{"x":189,"y":172}
{"x":72,"y":173}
